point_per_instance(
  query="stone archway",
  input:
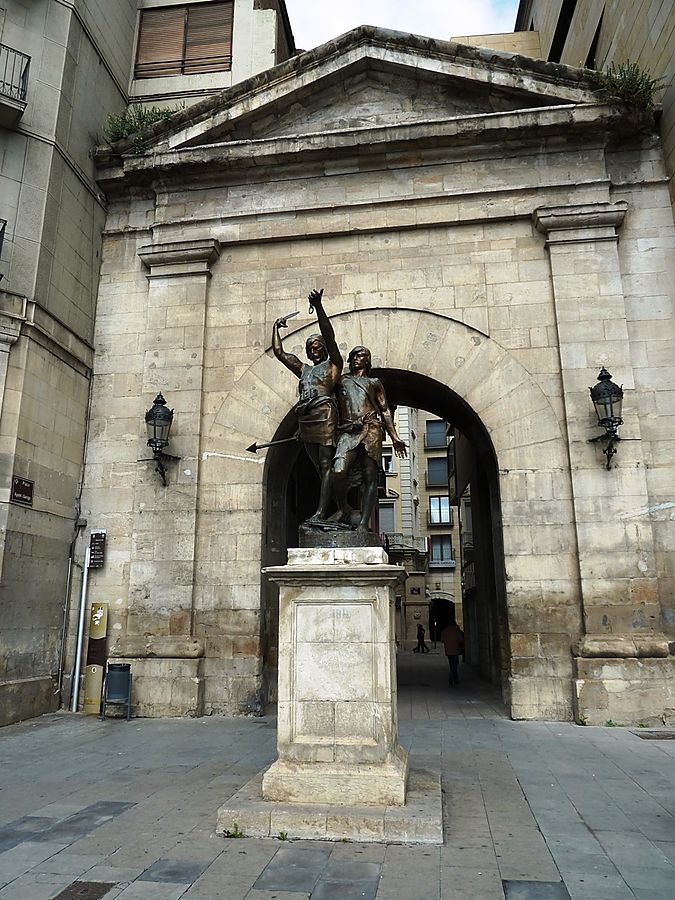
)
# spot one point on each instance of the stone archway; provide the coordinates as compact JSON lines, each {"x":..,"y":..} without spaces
{"x":493,"y":392}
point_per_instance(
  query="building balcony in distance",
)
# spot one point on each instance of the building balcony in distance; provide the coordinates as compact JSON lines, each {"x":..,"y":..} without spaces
{"x":14,"y":67}
{"x":435,"y":442}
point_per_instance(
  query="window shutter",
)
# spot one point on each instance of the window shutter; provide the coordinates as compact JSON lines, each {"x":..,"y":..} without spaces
{"x":160,"y":42}
{"x":208,"y":44}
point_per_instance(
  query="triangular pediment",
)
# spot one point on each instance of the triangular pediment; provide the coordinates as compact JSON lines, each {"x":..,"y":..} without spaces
{"x":366,"y":80}
{"x":374,"y":94}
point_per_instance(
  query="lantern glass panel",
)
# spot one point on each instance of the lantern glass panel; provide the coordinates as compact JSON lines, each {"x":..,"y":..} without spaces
{"x":603,"y":407}
{"x":158,"y":430}
{"x":617,"y":405}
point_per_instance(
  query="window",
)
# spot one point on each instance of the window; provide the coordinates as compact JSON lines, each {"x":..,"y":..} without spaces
{"x":593,"y":49}
{"x":441,"y":550}
{"x":437,"y":472}
{"x":562,"y":30}
{"x":185,"y":40}
{"x":439,"y":511}
{"x":388,"y":459}
{"x":435,"y":435}
{"x":387,"y":518}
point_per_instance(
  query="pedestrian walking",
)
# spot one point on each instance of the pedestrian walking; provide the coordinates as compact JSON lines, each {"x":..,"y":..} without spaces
{"x":453,"y":644}
{"x":421,"y":644}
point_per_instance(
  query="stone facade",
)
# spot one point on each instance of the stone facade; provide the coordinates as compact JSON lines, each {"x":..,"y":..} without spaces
{"x":407,"y":521}
{"x":495,"y":234}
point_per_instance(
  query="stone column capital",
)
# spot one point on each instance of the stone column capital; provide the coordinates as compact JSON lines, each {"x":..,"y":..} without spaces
{"x":580,"y":223}
{"x":176,"y":258}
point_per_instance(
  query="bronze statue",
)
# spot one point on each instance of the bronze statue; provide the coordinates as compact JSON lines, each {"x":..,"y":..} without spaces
{"x":317,"y":407}
{"x":364,"y":412}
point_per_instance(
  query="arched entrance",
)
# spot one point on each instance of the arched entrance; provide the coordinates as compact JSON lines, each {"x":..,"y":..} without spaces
{"x":521,"y":488}
{"x":292,"y":490}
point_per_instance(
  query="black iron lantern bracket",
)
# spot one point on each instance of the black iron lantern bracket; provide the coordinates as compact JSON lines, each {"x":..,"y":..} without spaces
{"x":607,"y":399}
{"x":159,"y":457}
{"x":610,"y":449}
{"x":158,"y":420}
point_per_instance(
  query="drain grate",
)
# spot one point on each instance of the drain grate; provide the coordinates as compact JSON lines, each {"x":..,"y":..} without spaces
{"x":656,"y":735}
{"x":84,"y":890}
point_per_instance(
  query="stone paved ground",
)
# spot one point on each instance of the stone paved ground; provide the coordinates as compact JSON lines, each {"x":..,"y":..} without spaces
{"x":534,"y":811}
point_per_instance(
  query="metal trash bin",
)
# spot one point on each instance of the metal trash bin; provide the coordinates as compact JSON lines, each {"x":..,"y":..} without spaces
{"x":117,"y":687}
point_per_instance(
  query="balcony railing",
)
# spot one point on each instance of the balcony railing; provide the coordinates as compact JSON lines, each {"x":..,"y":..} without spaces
{"x":442,"y":563}
{"x":14,"y":68}
{"x":403,"y":542}
{"x":13,"y":85}
{"x":435,"y":441}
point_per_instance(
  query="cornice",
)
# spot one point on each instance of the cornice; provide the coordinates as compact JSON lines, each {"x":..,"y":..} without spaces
{"x":454,"y":134}
{"x":582,"y":222}
{"x":20,"y":316}
{"x":176,"y":258}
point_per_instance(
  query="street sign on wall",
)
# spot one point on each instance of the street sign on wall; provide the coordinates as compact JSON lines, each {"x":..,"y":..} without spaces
{"x":22,"y":490}
{"x":97,"y":549}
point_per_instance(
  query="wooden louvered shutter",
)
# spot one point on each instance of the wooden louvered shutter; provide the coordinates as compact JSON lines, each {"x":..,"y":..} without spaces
{"x":208,"y":42}
{"x":161,"y":40}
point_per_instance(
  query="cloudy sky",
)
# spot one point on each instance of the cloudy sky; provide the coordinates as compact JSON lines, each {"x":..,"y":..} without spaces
{"x":316,"y":21}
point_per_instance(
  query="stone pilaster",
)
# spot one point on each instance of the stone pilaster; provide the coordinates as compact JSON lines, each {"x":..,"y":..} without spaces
{"x":618,"y":577}
{"x":10,"y":329}
{"x":162,"y":567}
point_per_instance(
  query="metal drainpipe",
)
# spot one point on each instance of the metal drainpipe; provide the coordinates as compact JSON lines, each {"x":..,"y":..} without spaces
{"x":75,"y":683}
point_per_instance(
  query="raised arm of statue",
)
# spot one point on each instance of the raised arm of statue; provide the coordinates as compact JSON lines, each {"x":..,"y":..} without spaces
{"x":315,"y":299}
{"x":388,"y":420}
{"x":290,"y":360}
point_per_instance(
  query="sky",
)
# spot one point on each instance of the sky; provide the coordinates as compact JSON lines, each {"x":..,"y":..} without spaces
{"x":317,"y":21}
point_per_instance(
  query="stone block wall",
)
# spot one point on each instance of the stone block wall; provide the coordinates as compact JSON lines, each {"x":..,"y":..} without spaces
{"x":45,"y":390}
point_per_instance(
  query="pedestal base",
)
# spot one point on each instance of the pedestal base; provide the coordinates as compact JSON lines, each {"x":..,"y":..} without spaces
{"x":339,"y":537}
{"x":420,"y":821}
{"x":338,"y":783}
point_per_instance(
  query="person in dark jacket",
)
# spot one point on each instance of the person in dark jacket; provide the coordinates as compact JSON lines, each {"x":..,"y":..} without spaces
{"x":452,"y":637}
{"x":421,"y":644}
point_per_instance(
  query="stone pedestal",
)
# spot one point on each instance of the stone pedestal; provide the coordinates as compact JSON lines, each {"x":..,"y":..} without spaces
{"x":337,"y":716}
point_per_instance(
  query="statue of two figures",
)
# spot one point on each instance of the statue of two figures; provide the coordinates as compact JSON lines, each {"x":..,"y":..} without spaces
{"x":341,"y":417}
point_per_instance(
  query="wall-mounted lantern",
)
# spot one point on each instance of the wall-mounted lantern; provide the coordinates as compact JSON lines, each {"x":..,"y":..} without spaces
{"x":158,"y":421}
{"x":607,"y":398}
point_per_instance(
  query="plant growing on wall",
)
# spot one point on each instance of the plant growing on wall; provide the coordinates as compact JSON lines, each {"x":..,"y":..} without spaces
{"x":628,"y":83}
{"x":134,"y":119}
